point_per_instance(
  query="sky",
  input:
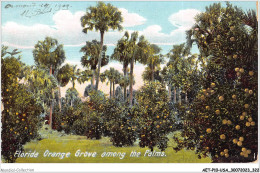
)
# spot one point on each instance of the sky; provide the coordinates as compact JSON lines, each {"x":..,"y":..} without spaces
{"x":163,"y":23}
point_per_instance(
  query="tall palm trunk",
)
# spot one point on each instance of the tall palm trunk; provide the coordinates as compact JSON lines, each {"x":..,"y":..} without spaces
{"x":152,"y":73}
{"x":99,"y":58}
{"x":59,"y":99}
{"x":114,"y":89}
{"x":93,"y":79}
{"x":170,"y":92}
{"x":51,"y":104}
{"x":110,"y":93}
{"x":186,"y":96}
{"x":131,"y":82}
{"x":180,"y":96}
{"x":125,"y":67}
{"x":175,"y":93}
{"x":73,"y":84}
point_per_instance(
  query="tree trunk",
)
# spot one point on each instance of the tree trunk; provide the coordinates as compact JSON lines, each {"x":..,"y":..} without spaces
{"x":110,"y":93}
{"x":99,"y":59}
{"x":114,"y":89}
{"x":179,"y":96}
{"x":50,"y":117}
{"x":175,"y":93}
{"x":93,"y":79}
{"x":125,"y":67}
{"x":170,"y":92}
{"x":59,"y":99}
{"x":73,"y":84}
{"x":131,"y":82}
{"x":152,"y":73}
{"x":186,"y":96}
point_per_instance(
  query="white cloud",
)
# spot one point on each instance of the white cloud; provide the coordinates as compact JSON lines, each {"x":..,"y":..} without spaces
{"x":183,"y":18}
{"x":131,"y":19}
{"x":68,"y":31}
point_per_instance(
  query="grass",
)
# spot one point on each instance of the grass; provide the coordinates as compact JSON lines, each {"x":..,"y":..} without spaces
{"x":55,"y":142}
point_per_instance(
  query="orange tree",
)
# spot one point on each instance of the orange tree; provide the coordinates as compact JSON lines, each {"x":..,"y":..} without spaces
{"x":20,"y":114}
{"x":155,"y":116}
{"x":222,"y":121}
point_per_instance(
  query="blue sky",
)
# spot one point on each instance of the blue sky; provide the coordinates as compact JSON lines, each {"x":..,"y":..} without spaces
{"x":162,"y":23}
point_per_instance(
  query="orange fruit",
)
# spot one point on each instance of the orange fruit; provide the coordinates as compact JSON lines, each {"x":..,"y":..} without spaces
{"x":238,"y":74}
{"x":224,"y":121}
{"x":232,"y":38}
{"x":31,"y":133}
{"x":239,"y":143}
{"x":244,"y":113}
{"x":251,"y":73}
{"x":222,"y":136}
{"x":241,"y":139}
{"x":222,"y":153}
{"x":16,"y":113}
{"x":24,"y":115}
{"x":22,"y":119}
{"x":242,"y":117}
{"x":250,"y":119}
{"x":241,"y":70}
{"x":246,"y":106}
{"x":226,"y":151}
{"x":226,"y":155}
{"x":237,"y":127}
{"x":213,"y":85}
{"x":237,"y":69}
{"x":221,"y":98}
{"x":252,"y":123}
{"x":235,"y":141}
{"x":247,"y":124}
{"x":157,"y":126}
{"x":235,"y":56}
{"x":158,"y":116}
{"x":241,"y":154}
{"x":246,"y":90}
{"x":229,"y":122}
{"x":25,"y":128}
{"x":250,"y":91}
{"x":234,"y":96}
{"x":243,"y":149}
{"x":217,"y":112}
{"x":245,"y":155}
{"x":248,"y":151}
{"x":207,"y":108}
{"x":208,"y":130}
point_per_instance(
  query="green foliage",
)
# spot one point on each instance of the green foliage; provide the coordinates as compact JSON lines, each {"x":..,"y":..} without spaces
{"x":222,"y":120}
{"x":20,"y":122}
{"x":101,"y":18}
{"x":156,"y":119}
{"x":120,"y":123}
{"x":49,"y":54}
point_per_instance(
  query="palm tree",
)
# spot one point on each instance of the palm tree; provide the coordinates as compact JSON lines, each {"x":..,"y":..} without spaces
{"x":139,"y":52}
{"x":176,"y":66}
{"x":101,"y":18}
{"x":75,"y":75}
{"x":63,"y":78}
{"x":49,"y":54}
{"x":113,"y":76}
{"x":91,"y":55}
{"x":154,"y":60}
{"x":122,"y":53}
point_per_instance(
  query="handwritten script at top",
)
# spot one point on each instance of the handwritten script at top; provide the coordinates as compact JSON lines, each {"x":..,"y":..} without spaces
{"x":33,"y":9}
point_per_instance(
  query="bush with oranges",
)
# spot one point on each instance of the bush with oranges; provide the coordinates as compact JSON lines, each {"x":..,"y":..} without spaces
{"x":155,"y":116}
{"x":20,"y":111}
{"x":222,"y":121}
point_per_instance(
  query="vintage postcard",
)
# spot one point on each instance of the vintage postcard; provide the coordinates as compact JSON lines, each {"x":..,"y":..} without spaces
{"x":130,"y":82}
